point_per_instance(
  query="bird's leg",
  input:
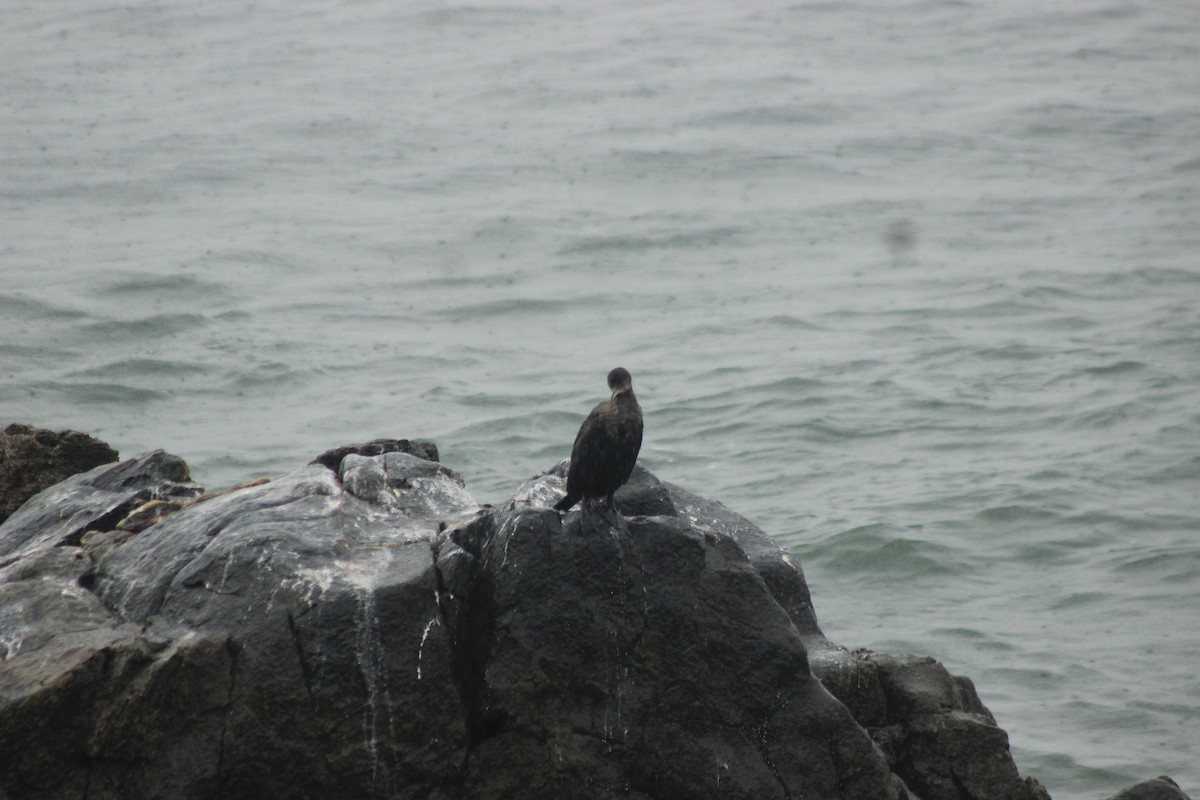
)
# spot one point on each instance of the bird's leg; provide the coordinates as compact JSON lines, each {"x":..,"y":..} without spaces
{"x":587,"y":512}
{"x":595,"y":514}
{"x":612,"y":507}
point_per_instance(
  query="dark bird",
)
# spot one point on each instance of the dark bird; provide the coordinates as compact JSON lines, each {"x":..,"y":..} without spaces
{"x":607,"y":445}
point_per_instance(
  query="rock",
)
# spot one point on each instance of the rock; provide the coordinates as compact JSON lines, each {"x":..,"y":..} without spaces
{"x":935,"y":731}
{"x":333,"y":458}
{"x":149,"y":513}
{"x":642,"y":495}
{"x":95,"y":500}
{"x":327,"y":592}
{"x":280,"y":640}
{"x":648,"y":661}
{"x":779,"y":570}
{"x":1161,"y":788}
{"x":361,"y":628}
{"x":32,"y":459}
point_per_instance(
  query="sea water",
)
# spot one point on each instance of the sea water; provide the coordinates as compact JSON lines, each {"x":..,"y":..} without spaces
{"x":912,"y":285}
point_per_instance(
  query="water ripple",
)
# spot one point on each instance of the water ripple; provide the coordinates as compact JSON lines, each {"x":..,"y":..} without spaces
{"x":143,"y":328}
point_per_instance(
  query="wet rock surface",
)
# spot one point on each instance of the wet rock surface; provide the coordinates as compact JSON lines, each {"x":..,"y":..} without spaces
{"x":648,"y":659}
{"x":362,"y":628}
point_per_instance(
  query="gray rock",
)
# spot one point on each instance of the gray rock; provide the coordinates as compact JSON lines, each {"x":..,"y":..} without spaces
{"x":33,"y":459}
{"x":647,"y":660}
{"x":936,"y":732}
{"x":329,"y":602}
{"x":95,"y":500}
{"x":376,"y":447}
{"x":361,"y":628}
{"x":779,"y":570}
{"x":280,"y":640}
{"x":1161,"y":788}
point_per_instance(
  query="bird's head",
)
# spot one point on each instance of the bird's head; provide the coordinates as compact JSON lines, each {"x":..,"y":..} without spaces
{"x":620,"y":381}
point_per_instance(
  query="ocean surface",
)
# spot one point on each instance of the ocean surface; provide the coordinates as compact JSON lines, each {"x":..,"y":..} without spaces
{"x":913,"y":285}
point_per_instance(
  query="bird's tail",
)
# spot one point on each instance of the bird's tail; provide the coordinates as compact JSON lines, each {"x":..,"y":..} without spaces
{"x":566,"y":502}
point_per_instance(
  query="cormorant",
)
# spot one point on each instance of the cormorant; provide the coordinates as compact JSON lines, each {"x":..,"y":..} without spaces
{"x":607,"y":445}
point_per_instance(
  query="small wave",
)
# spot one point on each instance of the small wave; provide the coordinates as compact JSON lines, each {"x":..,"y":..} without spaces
{"x":724,"y":373}
{"x":37,"y":355}
{"x":521,"y":306}
{"x":132,"y":368}
{"x":498,"y":400}
{"x":1150,"y":276}
{"x":1080,"y":600}
{"x":1051,"y":295}
{"x":1169,"y":565}
{"x":1069,"y":322}
{"x":1191,"y":165}
{"x":1015,"y":512}
{"x":449,"y":281}
{"x":1013,"y":352}
{"x":164,"y":285}
{"x":723,"y":401}
{"x":15,"y":306}
{"x":824,"y":431}
{"x":1055,"y":119}
{"x":1123,"y":523}
{"x":708,"y":328}
{"x":788,"y":386}
{"x":978,"y":639}
{"x":145,"y":327}
{"x":883,"y":549}
{"x":1046,"y":763}
{"x":1097,"y":54}
{"x":115,"y":393}
{"x":938,"y":406}
{"x":269,"y":374}
{"x":478,"y":15}
{"x":771,"y":410}
{"x":724,"y":430}
{"x":1103,"y":417}
{"x":789,"y":322}
{"x":789,"y":115}
{"x":1032,"y":678}
{"x":1116,"y":368}
{"x":1049,"y":552}
{"x":687,"y":240}
{"x":1184,"y":469}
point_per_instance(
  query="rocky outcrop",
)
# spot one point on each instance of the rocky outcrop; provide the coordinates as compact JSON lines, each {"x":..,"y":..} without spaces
{"x":33,"y":459}
{"x":647,"y":659}
{"x":1160,"y":788}
{"x":363,"y":628}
